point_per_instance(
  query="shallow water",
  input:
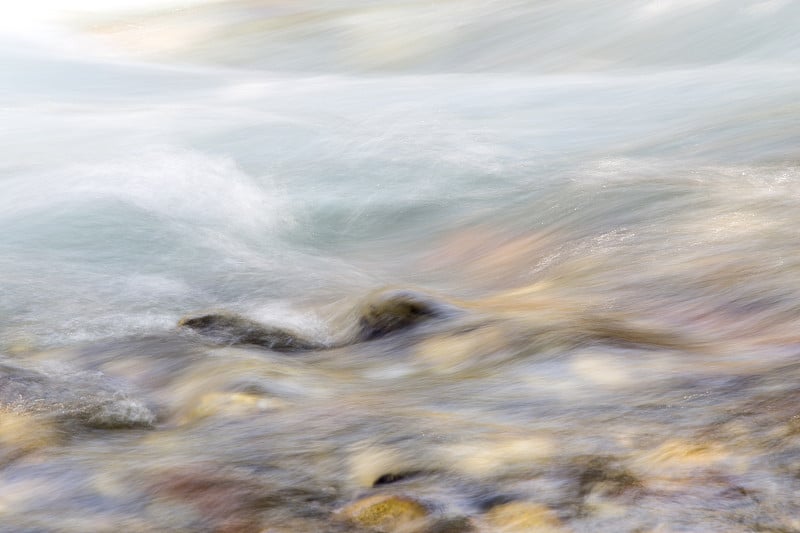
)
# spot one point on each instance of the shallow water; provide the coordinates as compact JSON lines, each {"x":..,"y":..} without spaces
{"x":601,"y":198}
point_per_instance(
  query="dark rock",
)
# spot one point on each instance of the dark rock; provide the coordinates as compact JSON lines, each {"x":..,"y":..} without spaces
{"x":397,"y":309}
{"x":386,"y":479}
{"x":232,"y":329}
{"x":382,"y":313}
{"x":599,"y":476}
{"x":457,"y":524}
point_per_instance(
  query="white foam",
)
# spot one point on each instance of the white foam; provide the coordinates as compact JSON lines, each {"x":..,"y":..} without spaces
{"x":657,"y":8}
{"x":175,"y":183}
{"x":282,"y":313}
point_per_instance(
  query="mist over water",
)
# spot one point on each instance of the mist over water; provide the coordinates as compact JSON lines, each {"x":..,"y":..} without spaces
{"x":592,"y":208}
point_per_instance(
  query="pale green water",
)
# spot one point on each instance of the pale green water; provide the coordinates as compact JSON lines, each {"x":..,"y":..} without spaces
{"x":609,"y":189}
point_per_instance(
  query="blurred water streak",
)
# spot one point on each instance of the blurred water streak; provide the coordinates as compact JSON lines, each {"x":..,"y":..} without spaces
{"x":609,"y":190}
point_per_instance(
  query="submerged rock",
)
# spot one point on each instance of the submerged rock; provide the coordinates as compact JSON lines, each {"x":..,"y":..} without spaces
{"x":601,"y":475}
{"x":387,"y":513}
{"x":380,"y":314}
{"x":393,"y":310}
{"x":680,"y":458}
{"x":522,"y":517}
{"x":374,"y":466}
{"x":223,"y":500}
{"x":24,"y":433}
{"x":521,"y":322}
{"x":231,"y":329}
{"x":68,"y":396}
{"x":460,"y":349}
{"x":603,"y":486}
{"x":499,"y":455}
{"x":20,"y":344}
{"x":453,"y":524}
{"x":230,"y":404}
{"x":119,"y":412}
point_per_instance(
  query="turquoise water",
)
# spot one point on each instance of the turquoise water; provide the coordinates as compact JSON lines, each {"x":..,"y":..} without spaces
{"x":548,"y":166}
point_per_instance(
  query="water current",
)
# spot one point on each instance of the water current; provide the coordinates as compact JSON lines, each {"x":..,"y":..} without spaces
{"x":353,"y":265}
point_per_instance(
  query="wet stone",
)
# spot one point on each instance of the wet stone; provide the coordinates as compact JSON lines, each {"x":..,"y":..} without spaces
{"x":21,"y":434}
{"x":603,"y":475}
{"x":381,"y":313}
{"x":602,"y":486}
{"x":387,"y":479}
{"x":225,"y":501}
{"x":387,"y":514}
{"x":678,"y":458}
{"x":120,"y":413}
{"x":231,"y":329}
{"x":229,"y":404}
{"x":389,"y":311}
{"x":457,"y":350}
{"x":376,"y":465}
{"x":20,"y":344}
{"x":455,"y":524}
{"x":522,"y":517}
{"x":71,"y":397}
{"x":498,"y":456}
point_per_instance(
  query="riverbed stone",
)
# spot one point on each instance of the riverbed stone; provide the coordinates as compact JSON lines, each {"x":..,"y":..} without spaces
{"x":681,"y":464}
{"x":392,"y":310}
{"x":20,"y":344}
{"x":677,"y":457}
{"x":120,"y":413}
{"x":229,"y":404}
{"x":379,"y":314}
{"x":604,"y":476}
{"x":71,"y":397}
{"x":224,"y":499}
{"x":454,"y":351}
{"x":24,"y":433}
{"x":522,"y":517}
{"x":499,"y":455}
{"x":387,"y":513}
{"x":228,"y":328}
{"x":373,"y":465}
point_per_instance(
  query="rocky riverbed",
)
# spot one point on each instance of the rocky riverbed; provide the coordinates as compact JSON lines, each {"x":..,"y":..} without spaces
{"x":519,"y":411}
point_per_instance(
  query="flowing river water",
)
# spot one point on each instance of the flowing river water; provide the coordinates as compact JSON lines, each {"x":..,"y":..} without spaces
{"x":327,"y":266}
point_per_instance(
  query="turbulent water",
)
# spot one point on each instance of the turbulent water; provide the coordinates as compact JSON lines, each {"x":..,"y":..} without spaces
{"x":591,"y":206}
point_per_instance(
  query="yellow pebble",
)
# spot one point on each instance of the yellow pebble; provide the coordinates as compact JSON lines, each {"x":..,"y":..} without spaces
{"x":452,"y":351}
{"x":482,"y":458}
{"x":681,"y":453}
{"x":514,"y":517}
{"x":20,"y":434}
{"x":387,"y":514}
{"x":230,"y":404}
